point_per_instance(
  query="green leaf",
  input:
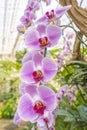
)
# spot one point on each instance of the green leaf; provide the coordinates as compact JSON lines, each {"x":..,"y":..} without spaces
{"x":69,"y":118}
{"x":79,"y":125}
{"x":83,"y":112}
{"x":62,"y":112}
{"x":79,"y":63}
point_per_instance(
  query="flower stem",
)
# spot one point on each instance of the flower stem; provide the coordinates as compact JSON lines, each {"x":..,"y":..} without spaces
{"x":45,"y":51}
{"x":81,"y":94}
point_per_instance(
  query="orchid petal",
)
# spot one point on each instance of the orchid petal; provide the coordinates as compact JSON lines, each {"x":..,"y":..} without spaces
{"x":42,"y":20}
{"x":30,"y":89}
{"x":49,"y":68}
{"x":59,"y":12}
{"x":37,"y":58}
{"x":36,"y":5}
{"x":27,"y":57}
{"x":31,"y":39}
{"x":25,"y":109}
{"x":26,"y":72}
{"x":32,"y":16}
{"x":22,"y":89}
{"x":48,"y":97}
{"x":53,"y":33}
{"x":41,"y":29}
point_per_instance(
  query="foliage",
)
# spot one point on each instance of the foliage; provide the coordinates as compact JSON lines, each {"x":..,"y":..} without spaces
{"x":9,"y":82}
{"x":72,"y":115}
{"x":75,"y":119}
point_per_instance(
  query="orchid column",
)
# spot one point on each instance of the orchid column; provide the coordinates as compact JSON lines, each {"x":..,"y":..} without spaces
{"x":37,"y":101}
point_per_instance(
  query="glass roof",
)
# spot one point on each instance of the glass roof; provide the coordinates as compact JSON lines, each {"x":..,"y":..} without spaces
{"x":10,"y":13}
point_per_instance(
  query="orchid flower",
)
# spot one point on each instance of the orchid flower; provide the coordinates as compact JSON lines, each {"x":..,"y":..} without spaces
{"x":63,"y":90}
{"x":21,"y":28}
{"x":30,"y":10}
{"x":46,"y":120}
{"x":59,"y":97}
{"x":26,"y":20}
{"x":54,"y":15}
{"x":39,"y":69}
{"x":33,"y":6}
{"x":72,"y":92}
{"x":64,"y":53}
{"x":48,"y":117}
{"x":59,"y":62}
{"x":42,"y":37}
{"x":30,"y":108}
{"x":47,"y":2}
{"x":29,"y":15}
{"x":70,"y":35}
{"x":71,"y":96}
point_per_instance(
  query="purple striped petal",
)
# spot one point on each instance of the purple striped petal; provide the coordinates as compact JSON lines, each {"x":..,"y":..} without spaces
{"x":63,"y":90}
{"x":30,"y":89}
{"x":48,"y":96}
{"x":41,"y":29}
{"x":31,"y":39}
{"x":25,"y":109}
{"x":42,"y":20}
{"x":27,"y":57}
{"x":22,"y":89}
{"x":53,"y":33}
{"x":36,"y":5}
{"x":59,"y":12}
{"x":49,"y":68}
{"x":37,"y":58}
{"x":26,"y":72}
{"x":32,"y":16}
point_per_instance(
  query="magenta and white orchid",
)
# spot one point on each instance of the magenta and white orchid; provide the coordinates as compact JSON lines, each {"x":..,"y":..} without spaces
{"x":30,"y":108}
{"x":53,"y":15}
{"x":39,"y":69}
{"x":38,"y":103}
{"x":42,"y":36}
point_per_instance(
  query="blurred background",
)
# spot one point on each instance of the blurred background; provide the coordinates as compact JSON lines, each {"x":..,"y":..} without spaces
{"x":12,"y":50}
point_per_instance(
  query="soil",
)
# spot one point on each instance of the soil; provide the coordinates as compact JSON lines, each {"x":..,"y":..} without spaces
{"x":9,"y":125}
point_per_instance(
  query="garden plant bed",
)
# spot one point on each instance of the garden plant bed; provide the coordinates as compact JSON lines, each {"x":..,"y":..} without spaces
{"x":6,"y":124}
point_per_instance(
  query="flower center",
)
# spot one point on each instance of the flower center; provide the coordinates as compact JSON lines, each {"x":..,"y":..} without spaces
{"x":37,"y":75}
{"x":46,"y":120}
{"x":39,"y":107}
{"x":27,"y":20}
{"x":50,"y":14}
{"x":30,"y":8}
{"x":43,"y":41}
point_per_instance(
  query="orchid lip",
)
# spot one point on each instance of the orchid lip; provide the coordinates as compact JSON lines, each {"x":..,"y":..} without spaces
{"x":43,"y":41}
{"x":50,"y":15}
{"x":31,"y":8}
{"x":37,"y":75}
{"x":39,"y":107}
